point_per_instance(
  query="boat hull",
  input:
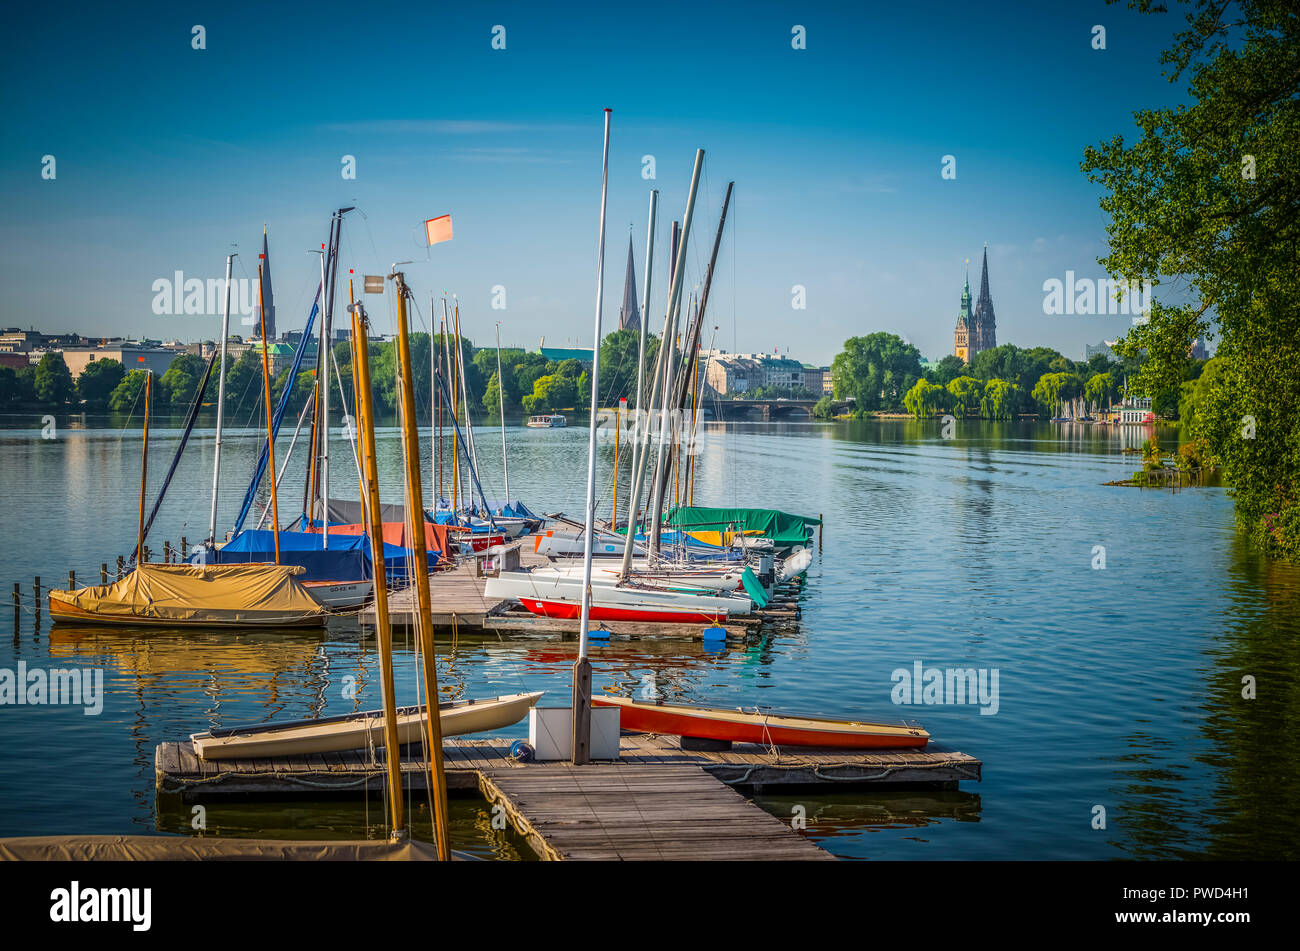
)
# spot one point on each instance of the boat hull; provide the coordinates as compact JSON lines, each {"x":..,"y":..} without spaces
{"x":768,"y":729}
{"x":340,"y":595}
{"x":568,"y":610}
{"x":361,"y":730}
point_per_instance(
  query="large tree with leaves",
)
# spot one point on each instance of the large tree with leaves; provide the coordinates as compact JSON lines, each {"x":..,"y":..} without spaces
{"x":876,"y":370}
{"x":1207,"y":197}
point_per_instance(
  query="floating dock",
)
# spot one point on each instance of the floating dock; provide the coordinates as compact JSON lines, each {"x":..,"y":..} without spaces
{"x":656,"y":801}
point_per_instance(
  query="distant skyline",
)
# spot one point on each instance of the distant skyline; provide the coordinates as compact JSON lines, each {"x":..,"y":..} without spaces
{"x":165,"y":156}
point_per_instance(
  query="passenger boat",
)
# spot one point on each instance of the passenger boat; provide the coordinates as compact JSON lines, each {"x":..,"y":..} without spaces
{"x":740,"y":726}
{"x":250,"y":595}
{"x":550,"y":421}
{"x":355,"y":731}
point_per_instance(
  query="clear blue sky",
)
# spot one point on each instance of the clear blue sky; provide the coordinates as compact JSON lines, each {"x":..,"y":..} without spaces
{"x":166,"y":156}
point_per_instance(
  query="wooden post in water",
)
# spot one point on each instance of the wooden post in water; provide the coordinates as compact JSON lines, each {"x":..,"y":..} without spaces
{"x":18,"y":604}
{"x":103,"y":572}
{"x":72,"y":580}
{"x":270,"y":437}
{"x":120,"y":561}
{"x":184,"y":549}
{"x":419,"y":547}
{"x":383,"y":628}
{"x":36,"y":588}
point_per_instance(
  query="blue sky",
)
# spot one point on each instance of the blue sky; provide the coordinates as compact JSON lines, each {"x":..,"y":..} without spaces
{"x":167,"y":156}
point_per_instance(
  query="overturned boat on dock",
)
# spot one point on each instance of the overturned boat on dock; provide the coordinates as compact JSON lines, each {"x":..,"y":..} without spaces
{"x":359,"y":731}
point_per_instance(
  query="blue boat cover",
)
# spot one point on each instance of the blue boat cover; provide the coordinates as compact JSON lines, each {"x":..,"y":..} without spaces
{"x":346,"y":559}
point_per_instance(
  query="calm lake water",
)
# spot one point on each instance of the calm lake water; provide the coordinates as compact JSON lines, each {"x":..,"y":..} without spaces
{"x":1119,"y":687}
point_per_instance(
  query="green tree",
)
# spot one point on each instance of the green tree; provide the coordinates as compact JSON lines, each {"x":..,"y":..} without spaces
{"x":126,"y":396}
{"x":1052,"y":389}
{"x":875,"y":370}
{"x":180,"y":382}
{"x":98,"y":380}
{"x":1209,"y":195}
{"x":1099,"y":390}
{"x":825,"y":408}
{"x":1001,"y":400}
{"x":53,"y":381}
{"x":966,"y":393}
{"x":243,"y":381}
{"x":947,"y":370}
{"x":550,"y":393}
{"x":925,"y":399}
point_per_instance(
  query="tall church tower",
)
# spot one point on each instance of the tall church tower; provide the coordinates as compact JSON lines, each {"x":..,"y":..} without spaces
{"x":629,"y":315}
{"x":961,"y":337}
{"x":984,"y":335}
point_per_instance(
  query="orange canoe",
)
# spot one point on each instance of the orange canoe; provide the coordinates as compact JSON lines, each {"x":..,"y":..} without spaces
{"x":740,"y":726}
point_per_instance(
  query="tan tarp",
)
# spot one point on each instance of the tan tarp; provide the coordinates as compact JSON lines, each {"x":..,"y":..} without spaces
{"x":157,"y":848}
{"x":195,"y":595}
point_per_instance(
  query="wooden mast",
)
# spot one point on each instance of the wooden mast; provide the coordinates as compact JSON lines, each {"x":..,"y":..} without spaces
{"x":383,"y":628}
{"x":270,"y":437}
{"x":144,"y":468}
{"x":419,"y":547}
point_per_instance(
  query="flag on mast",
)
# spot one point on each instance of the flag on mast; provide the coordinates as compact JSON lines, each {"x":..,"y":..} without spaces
{"x":438,"y":229}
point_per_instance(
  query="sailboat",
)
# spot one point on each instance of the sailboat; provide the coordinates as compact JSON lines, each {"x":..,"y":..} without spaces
{"x":339,"y":577}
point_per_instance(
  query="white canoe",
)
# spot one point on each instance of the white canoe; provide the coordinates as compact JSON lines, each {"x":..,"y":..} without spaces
{"x":355,"y":731}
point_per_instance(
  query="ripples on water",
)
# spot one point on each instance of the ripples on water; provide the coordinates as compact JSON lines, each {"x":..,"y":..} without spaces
{"x":1118,"y":687}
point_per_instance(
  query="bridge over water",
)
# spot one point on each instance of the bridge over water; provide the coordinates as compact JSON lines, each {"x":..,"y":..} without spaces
{"x":769,"y":409}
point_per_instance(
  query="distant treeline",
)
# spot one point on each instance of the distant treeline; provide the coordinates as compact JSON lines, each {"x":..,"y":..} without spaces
{"x":530,"y":382}
{"x":883,"y":373}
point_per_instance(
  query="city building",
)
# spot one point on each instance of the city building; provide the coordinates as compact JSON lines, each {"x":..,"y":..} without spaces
{"x":733,"y":373}
{"x":560,"y":354}
{"x":132,"y":356}
{"x":1103,"y":348}
{"x":976,"y":332}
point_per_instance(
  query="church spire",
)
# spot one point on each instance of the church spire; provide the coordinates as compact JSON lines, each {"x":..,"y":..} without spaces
{"x":629,"y":315}
{"x":984,"y":332}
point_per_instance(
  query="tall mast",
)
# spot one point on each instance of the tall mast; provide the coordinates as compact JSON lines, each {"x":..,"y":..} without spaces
{"x":383,"y":628}
{"x":455,"y":412}
{"x":144,"y":468}
{"x":270,"y":431}
{"x":501,"y":403}
{"x":435,"y":430}
{"x":419,"y":547}
{"x":471,"y":454}
{"x":582,"y":667}
{"x":321,"y":425}
{"x":221,"y":404}
{"x":668,"y":346}
{"x":642,"y":411}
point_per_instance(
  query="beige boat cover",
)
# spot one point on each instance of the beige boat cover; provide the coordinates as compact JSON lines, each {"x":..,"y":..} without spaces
{"x":196,"y":594}
{"x":159,"y":848}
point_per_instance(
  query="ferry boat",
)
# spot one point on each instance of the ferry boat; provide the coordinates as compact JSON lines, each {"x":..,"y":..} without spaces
{"x":555,"y":421}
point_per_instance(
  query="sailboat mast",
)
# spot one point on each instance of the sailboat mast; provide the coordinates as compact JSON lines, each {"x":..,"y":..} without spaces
{"x":582,"y":667}
{"x":642,"y":410}
{"x":668,"y":348}
{"x":221,"y":404}
{"x":501,"y":404}
{"x":144,"y":467}
{"x":419,"y":558}
{"x":270,"y":431}
{"x":435,"y":417}
{"x":455,"y":412}
{"x":374,"y":519}
{"x":471,"y":453}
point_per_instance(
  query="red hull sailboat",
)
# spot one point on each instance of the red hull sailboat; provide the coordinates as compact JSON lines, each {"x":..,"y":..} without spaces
{"x":739,"y":726}
{"x":569,"y":610}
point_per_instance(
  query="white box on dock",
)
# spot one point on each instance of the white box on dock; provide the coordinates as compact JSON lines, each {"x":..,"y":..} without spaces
{"x":550,"y":732}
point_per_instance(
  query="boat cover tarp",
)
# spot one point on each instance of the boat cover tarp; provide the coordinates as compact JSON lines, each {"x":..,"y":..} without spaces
{"x":753,"y":588}
{"x":345,"y":512}
{"x":395,"y":543}
{"x":346,"y":559}
{"x":784,"y":529}
{"x":173,"y":848}
{"x":199,"y":594}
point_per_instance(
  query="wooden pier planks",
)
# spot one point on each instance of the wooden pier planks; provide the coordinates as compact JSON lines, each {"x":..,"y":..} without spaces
{"x":639,"y":812}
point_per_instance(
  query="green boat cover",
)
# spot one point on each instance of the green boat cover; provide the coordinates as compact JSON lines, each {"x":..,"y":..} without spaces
{"x":784,"y":529}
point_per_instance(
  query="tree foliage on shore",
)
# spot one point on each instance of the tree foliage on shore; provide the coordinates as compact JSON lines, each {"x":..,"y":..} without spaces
{"x":1208,"y":195}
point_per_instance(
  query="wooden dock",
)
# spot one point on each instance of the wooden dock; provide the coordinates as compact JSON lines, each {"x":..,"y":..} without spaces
{"x":656,"y":801}
{"x":614,"y":812}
